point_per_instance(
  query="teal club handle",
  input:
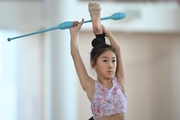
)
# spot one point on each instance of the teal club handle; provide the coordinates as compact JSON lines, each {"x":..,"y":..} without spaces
{"x":68,"y":24}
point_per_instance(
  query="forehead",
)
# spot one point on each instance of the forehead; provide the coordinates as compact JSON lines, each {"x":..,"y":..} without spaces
{"x":107,"y":54}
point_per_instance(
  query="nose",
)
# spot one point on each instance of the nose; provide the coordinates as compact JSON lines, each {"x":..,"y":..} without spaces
{"x":110,"y":65}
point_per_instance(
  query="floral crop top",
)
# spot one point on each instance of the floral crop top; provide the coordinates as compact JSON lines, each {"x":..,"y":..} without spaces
{"x":108,"y":101}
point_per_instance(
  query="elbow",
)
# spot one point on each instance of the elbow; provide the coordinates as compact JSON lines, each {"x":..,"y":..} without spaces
{"x":84,"y":89}
{"x":72,"y":53}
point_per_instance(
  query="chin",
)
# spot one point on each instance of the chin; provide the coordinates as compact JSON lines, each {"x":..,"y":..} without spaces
{"x":110,"y":77}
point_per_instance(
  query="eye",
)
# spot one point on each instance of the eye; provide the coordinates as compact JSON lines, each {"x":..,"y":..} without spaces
{"x":113,"y":60}
{"x":104,"y":60}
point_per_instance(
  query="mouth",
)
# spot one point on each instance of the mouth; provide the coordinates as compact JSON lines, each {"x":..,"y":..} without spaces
{"x":110,"y":72}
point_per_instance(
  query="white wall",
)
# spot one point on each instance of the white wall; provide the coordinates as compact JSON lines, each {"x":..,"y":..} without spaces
{"x":30,"y":79}
{"x":23,"y":17}
{"x":142,"y":17}
{"x":140,"y":55}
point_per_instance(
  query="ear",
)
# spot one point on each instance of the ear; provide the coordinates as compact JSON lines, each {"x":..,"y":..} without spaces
{"x":93,"y":64}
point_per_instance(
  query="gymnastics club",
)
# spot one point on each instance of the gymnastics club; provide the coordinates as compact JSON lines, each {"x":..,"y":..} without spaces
{"x":68,"y":24}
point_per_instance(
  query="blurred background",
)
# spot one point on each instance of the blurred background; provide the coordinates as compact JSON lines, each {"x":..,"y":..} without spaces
{"x":37,"y":76}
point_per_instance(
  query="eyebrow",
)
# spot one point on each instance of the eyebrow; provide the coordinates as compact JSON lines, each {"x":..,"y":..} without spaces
{"x":107,"y":57}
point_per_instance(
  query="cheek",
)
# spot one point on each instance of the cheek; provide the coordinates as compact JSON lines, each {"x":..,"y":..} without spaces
{"x":115,"y":65}
{"x":99,"y":67}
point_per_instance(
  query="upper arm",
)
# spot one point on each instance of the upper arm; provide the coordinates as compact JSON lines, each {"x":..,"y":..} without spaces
{"x":120,"y":65}
{"x":120,"y":72}
{"x":85,"y":79}
{"x":120,"y":75}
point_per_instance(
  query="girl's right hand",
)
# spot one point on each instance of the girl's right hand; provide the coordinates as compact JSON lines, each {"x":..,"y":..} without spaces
{"x":76,"y":27}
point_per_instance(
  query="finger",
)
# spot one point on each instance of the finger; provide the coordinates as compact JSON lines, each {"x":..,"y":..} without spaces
{"x":76,"y":23}
{"x":82,"y":22}
{"x":73,"y":23}
{"x":103,"y":28}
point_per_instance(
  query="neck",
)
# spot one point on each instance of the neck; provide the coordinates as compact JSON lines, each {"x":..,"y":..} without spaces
{"x":106,"y":82}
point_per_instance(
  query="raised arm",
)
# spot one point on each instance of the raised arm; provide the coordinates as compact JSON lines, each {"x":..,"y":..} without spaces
{"x":120,"y":75}
{"x":85,"y":80}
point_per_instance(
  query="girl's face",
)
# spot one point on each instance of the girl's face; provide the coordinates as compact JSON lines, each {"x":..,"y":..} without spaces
{"x":106,"y":65}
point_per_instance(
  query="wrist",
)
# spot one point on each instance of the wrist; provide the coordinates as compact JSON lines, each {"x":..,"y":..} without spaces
{"x":73,"y":35}
{"x":108,"y":34}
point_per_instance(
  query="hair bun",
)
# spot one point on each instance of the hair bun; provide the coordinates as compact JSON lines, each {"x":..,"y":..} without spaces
{"x":97,"y":41}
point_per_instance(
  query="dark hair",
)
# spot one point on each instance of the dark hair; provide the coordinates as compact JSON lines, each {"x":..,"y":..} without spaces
{"x":99,"y":47}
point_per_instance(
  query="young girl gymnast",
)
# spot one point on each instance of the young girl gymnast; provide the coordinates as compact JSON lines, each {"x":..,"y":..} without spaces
{"x":107,"y":92}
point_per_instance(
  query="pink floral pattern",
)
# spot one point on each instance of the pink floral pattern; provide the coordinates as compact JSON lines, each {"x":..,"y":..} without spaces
{"x":108,"y":101}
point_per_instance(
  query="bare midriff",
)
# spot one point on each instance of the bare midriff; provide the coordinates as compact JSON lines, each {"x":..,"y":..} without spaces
{"x":113,"y":117}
